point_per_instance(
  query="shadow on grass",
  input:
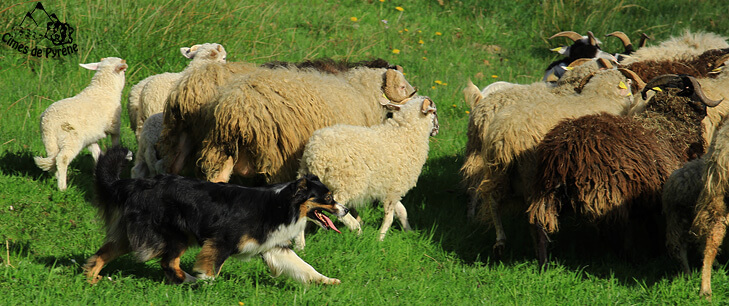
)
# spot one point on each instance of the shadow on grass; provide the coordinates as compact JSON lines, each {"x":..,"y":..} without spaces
{"x":439,"y":202}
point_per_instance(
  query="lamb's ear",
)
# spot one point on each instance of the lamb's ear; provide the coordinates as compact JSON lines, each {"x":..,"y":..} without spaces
{"x":185,"y":52}
{"x":393,"y":107}
{"x":396,"y":87}
{"x":190,"y":52}
{"x":90,"y":66}
{"x":220,"y":48}
{"x":213,"y":54}
{"x":399,"y":68}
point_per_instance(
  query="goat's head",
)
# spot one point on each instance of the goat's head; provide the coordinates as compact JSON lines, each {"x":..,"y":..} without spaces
{"x":682,"y":85}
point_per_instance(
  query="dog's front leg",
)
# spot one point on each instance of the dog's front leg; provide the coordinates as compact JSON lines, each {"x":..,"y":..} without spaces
{"x":283,"y":260}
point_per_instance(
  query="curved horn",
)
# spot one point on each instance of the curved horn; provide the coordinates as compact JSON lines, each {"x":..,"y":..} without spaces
{"x":579,"y":62}
{"x":584,"y":81}
{"x":643,"y":38}
{"x":592,"y":39}
{"x":637,"y":81}
{"x":661,"y":80}
{"x":720,"y":61}
{"x":622,"y":36}
{"x":574,"y":36}
{"x":699,"y":94}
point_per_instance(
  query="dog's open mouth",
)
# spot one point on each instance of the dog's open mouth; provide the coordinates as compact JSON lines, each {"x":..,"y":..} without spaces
{"x":324,"y":221}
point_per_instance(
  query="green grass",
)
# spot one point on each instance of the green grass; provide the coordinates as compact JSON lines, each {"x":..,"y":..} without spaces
{"x":46,"y":235}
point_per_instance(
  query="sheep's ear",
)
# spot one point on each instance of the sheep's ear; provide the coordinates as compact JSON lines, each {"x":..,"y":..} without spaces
{"x":213,"y":54}
{"x":396,"y":88}
{"x":90,"y":66}
{"x":399,"y":68}
{"x":220,"y":48}
{"x":393,"y":107}
{"x":428,"y":106}
{"x":185,"y":52}
{"x":472,"y":94}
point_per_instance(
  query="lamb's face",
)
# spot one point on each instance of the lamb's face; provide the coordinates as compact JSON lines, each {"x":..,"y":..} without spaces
{"x":114,"y":64}
{"x":207,"y":51}
{"x":416,"y":108}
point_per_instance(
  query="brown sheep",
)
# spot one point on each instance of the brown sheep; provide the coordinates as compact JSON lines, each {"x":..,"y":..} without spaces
{"x":610,"y":168}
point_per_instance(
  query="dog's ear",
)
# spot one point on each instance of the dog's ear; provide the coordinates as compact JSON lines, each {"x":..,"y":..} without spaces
{"x":301,"y":189}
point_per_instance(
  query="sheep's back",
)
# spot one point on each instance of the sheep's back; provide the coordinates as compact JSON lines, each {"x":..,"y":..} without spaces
{"x":602,"y":164}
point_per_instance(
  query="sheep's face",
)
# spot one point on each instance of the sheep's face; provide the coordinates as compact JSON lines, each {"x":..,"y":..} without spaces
{"x":214,"y":52}
{"x":416,"y":108}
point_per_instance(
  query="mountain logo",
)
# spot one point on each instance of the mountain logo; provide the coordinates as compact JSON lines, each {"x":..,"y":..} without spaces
{"x":38,"y":28}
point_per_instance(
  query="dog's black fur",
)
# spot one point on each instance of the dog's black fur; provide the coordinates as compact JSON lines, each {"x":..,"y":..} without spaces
{"x":163,"y":216}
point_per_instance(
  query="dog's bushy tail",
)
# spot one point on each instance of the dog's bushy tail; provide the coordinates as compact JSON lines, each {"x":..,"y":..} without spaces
{"x":108,"y":170}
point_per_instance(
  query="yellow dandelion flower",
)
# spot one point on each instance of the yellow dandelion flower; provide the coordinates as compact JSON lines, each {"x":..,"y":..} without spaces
{"x":494,"y":76}
{"x":425,"y":58}
{"x":438,"y":33}
{"x":353,"y":19}
{"x":399,"y":8}
{"x":438,"y":82}
{"x":382,"y":0}
{"x":454,"y":106}
{"x":444,"y":84}
{"x":433,"y":87}
{"x":467,"y":112}
{"x":419,"y":31}
{"x":396,"y":51}
{"x":406,"y":30}
{"x":241,"y":303}
{"x":421,"y":42}
{"x":400,"y":31}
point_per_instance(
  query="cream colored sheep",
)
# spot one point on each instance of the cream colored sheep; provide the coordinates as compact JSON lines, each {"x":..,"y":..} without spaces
{"x":69,"y":125}
{"x":154,"y":94}
{"x":382,"y":162}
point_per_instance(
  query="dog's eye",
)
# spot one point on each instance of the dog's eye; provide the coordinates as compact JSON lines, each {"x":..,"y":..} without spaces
{"x":328,"y":198}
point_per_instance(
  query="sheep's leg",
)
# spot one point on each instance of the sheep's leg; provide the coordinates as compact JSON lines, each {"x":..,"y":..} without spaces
{"x":181,"y":153}
{"x":500,"y":243}
{"x":472,"y":205}
{"x":63,"y":159}
{"x":115,"y":137}
{"x":402,"y":215}
{"x":284,"y":261}
{"x":714,"y":238}
{"x":95,"y":151}
{"x":352,"y":223}
{"x":387,"y":220}
{"x":539,"y":234}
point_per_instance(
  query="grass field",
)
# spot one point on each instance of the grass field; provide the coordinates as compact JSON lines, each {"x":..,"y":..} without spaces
{"x":46,"y":235}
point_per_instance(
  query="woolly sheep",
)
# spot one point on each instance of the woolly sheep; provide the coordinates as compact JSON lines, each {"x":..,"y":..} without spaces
{"x":611,"y":167}
{"x":382,"y":162}
{"x":263,"y":119}
{"x":711,"y":208}
{"x":148,"y":163}
{"x":502,"y":143}
{"x":158,"y":87}
{"x":679,"y":47}
{"x":69,"y":125}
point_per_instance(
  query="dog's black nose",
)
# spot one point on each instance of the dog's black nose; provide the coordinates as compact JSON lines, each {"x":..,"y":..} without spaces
{"x":346,"y":210}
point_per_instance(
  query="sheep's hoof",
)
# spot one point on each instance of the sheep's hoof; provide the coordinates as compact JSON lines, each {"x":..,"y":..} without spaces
{"x":706,"y":294}
{"x":498,"y":248}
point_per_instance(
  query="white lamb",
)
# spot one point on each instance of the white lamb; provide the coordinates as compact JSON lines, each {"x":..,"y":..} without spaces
{"x":381,"y":162}
{"x":149,"y":95}
{"x":69,"y":125}
{"x":147,"y":158}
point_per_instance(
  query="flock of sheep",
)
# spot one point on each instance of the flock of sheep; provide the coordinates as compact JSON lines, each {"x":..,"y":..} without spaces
{"x":624,"y":141}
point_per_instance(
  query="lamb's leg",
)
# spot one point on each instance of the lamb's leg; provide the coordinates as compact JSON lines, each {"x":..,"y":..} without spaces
{"x":95,"y":151}
{"x":108,"y":252}
{"x":387,"y":219}
{"x":352,"y":223}
{"x":402,"y":215}
{"x":283,"y":260}
{"x":64,"y":158}
{"x":714,"y":238}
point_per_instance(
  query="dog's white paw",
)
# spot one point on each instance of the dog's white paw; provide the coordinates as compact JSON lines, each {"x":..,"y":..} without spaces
{"x":331,"y":281}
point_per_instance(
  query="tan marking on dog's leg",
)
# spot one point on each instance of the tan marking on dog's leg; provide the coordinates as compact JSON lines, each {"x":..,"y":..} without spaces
{"x":205,"y":261}
{"x":285,"y":261}
{"x":108,"y":252}
{"x":714,"y":239}
{"x":223,"y":175}
{"x":402,"y":215}
{"x":175,"y":274}
{"x":387,"y":219}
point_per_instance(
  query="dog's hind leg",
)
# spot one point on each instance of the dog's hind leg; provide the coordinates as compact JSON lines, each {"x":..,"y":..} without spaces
{"x":108,"y":252}
{"x":171,"y":264}
{"x":210,"y":260}
{"x":282,"y":260}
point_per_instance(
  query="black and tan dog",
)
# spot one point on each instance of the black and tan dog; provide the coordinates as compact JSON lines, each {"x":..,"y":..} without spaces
{"x":163,"y":216}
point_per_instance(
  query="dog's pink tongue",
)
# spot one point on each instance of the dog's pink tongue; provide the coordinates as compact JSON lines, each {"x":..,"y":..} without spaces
{"x":327,"y":221}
